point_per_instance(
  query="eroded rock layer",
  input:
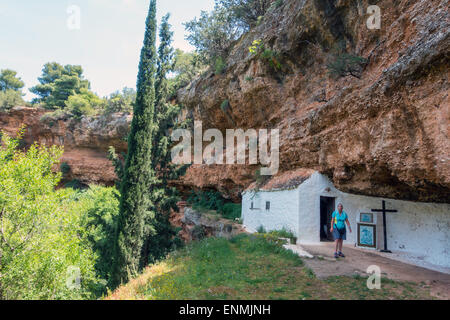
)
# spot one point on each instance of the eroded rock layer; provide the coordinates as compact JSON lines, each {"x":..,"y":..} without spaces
{"x":86,"y":141}
{"x":383,"y":134}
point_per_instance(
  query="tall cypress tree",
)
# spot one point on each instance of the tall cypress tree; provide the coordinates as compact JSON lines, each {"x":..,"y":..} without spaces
{"x":164,"y":197}
{"x":136,"y":215}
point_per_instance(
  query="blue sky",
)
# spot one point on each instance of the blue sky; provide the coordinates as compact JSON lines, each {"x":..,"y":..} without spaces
{"x":107,"y":45}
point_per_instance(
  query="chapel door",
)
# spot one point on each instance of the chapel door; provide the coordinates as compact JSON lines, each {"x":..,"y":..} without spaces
{"x":327,"y":205}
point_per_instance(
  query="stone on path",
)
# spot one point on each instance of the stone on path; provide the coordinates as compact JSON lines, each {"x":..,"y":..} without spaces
{"x":298,"y":250}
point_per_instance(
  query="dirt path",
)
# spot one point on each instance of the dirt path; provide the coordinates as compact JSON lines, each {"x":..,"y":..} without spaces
{"x":357,"y":261}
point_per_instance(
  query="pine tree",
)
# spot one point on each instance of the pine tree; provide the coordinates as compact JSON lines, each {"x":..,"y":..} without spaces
{"x":136,"y":216}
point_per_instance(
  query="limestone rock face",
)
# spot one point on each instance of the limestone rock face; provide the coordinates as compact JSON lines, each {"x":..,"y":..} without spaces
{"x":85,"y":141}
{"x":385,"y":134}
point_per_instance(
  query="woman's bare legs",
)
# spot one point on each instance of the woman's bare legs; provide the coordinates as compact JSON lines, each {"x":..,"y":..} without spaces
{"x":341,"y":241}
{"x":337,"y":244}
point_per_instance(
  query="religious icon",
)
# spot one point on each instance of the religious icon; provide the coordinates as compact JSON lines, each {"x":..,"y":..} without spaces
{"x":366,"y":217}
{"x":367,"y":235}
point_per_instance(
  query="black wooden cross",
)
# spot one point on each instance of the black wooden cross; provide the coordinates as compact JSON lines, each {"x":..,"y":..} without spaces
{"x":384,"y":210}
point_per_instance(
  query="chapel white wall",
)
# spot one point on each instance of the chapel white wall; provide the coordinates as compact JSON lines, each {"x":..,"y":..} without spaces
{"x":422,"y":229}
{"x":283,"y":210}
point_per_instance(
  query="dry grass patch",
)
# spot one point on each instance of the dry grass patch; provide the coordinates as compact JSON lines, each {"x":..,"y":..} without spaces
{"x":250,"y":267}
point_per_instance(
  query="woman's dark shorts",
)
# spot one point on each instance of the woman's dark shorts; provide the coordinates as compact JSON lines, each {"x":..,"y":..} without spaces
{"x":340,"y":234}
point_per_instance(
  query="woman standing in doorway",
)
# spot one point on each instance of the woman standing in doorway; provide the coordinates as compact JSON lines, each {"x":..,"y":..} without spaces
{"x":338,"y":220}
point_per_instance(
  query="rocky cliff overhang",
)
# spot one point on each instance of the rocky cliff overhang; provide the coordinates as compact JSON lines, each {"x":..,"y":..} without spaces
{"x":385,"y":134}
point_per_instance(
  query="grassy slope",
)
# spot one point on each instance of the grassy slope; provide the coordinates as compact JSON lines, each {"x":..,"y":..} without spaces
{"x":249,"y":267}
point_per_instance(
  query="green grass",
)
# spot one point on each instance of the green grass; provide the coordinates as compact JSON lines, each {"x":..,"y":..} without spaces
{"x":283,"y":233}
{"x":250,"y":267}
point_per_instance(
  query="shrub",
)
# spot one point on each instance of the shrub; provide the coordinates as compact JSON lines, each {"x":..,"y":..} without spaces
{"x":213,"y":35}
{"x":75,"y":184}
{"x":209,"y":200}
{"x":283,"y":233}
{"x":41,"y":240}
{"x":187,"y":66}
{"x":259,"y":50}
{"x":51,"y":117}
{"x":219,"y":66}
{"x":212,"y":200}
{"x":259,"y":20}
{"x":345,"y":64}
{"x":100,"y":208}
{"x":245,"y":14}
{"x":261,"y":229}
{"x":79,"y":106}
{"x":121,"y":101}
{"x":225,"y":105}
{"x":65,"y":168}
{"x":277,"y":4}
{"x":10,"y":99}
{"x":231,"y":211}
{"x":198,"y":233}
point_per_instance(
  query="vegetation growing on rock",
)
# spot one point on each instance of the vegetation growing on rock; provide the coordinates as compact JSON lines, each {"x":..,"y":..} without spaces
{"x":346,"y":64}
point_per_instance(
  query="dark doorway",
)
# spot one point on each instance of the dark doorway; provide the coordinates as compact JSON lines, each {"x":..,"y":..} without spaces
{"x":326,"y":210}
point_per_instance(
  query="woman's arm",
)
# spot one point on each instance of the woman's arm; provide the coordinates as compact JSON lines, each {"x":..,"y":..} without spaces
{"x":332,"y":222}
{"x":348,"y":223}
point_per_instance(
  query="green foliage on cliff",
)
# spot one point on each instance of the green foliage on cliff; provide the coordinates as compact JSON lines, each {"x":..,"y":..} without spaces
{"x":259,"y":50}
{"x":245,"y":13}
{"x":85,"y":103}
{"x":65,"y":88}
{"x":121,"y":101}
{"x":187,"y":65}
{"x":213,"y":34}
{"x":345,"y":64}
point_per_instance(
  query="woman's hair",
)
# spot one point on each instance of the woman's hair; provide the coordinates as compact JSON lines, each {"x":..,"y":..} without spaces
{"x":340,"y":204}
